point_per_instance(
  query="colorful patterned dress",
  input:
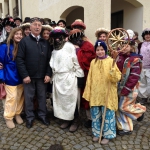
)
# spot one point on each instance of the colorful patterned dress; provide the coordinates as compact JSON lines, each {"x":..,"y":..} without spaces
{"x":128,"y":91}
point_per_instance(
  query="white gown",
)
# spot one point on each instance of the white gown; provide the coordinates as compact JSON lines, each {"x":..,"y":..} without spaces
{"x":65,"y":69}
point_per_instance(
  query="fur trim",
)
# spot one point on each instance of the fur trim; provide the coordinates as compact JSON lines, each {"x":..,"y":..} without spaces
{"x":25,"y":25}
{"x":47,"y":27}
{"x":101,"y":30}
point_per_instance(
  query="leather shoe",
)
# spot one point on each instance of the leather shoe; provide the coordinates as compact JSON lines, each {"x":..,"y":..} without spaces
{"x":121,"y":132}
{"x":141,"y":118}
{"x":45,"y":121}
{"x":29,"y":123}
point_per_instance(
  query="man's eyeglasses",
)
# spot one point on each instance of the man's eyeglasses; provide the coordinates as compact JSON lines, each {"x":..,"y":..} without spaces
{"x":35,"y":19}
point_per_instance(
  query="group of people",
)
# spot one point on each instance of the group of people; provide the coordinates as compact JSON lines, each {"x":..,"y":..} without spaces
{"x":82,"y":75}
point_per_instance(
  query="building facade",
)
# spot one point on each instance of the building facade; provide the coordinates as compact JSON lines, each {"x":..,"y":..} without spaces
{"x":128,"y":14}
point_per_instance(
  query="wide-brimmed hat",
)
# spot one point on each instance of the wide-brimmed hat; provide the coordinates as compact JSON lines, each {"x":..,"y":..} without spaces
{"x":8,"y":21}
{"x":101,"y":30}
{"x":47,"y":27}
{"x":53,"y":23}
{"x":47,"y":21}
{"x":17,"y":18}
{"x":75,"y":33}
{"x":78,"y":22}
{"x":27,"y":19}
{"x":58,"y":31}
{"x":25,"y":25}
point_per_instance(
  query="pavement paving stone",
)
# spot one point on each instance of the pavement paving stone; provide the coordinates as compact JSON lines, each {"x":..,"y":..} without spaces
{"x":40,"y":137}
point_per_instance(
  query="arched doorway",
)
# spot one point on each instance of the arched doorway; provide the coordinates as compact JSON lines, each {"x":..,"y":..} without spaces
{"x":72,"y":13}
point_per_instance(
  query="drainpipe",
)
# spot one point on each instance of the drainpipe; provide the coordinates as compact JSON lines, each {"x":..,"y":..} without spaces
{"x":21,"y":9}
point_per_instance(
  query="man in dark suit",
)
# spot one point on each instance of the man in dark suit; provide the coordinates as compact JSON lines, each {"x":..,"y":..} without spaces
{"x":33,"y":65}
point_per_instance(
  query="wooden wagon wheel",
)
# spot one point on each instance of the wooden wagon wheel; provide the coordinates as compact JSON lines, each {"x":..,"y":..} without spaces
{"x":116,"y":38}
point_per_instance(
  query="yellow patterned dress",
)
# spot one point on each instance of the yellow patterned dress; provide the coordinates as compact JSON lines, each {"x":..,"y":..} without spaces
{"x":100,"y":74}
{"x":101,"y":78}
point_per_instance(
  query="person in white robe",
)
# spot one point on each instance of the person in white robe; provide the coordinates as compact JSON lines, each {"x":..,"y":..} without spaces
{"x":66,"y":70}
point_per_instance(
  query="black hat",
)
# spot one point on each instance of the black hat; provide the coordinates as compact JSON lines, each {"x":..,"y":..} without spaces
{"x":17,"y":18}
{"x":47,"y":21}
{"x":8,"y":21}
{"x":53,"y":23}
{"x":64,"y":22}
{"x":27,"y":19}
{"x":1,"y":27}
{"x":145,"y":32}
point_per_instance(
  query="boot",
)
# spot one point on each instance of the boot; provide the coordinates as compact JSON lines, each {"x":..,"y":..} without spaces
{"x":18,"y":119}
{"x":88,"y":124}
{"x":74,"y":126}
{"x":104,"y":141}
{"x":141,"y":118}
{"x":65,"y":125}
{"x":10,"y":124}
{"x":143,"y":101}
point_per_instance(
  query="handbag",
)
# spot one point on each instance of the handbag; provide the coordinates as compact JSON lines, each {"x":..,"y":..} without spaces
{"x":2,"y":91}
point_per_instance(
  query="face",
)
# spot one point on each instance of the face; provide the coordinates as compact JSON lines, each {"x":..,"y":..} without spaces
{"x":58,"y":41}
{"x":18,"y":36}
{"x":77,"y":41}
{"x":100,"y":52}
{"x":17,"y":22}
{"x":147,"y":37}
{"x":35,"y":28}
{"x":61,"y":25}
{"x":8,"y":28}
{"x":126,"y":50}
{"x":46,"y":34}
{"x":102,"y":37}
{"x":27,"y":31}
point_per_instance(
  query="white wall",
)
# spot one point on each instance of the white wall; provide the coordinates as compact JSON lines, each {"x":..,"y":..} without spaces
{"x":133,"y":17}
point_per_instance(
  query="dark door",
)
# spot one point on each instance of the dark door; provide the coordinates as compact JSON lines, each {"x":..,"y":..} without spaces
{"x":117,"y":20}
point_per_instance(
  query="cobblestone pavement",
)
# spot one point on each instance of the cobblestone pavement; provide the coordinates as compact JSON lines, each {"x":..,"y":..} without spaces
{"x":40,"y":137}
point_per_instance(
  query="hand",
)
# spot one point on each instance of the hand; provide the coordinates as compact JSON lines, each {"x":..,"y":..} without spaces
{"x":114,"y":54}
{"x":1,"y":66}
{"x":76,"y":46}
{"x":27,"y":80}
{"x":47,"y":79}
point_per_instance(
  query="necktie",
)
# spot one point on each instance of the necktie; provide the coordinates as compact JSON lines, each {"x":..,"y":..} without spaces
{"x":37,"y":40}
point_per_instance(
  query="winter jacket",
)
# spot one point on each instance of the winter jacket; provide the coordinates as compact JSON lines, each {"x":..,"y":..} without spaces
{"x":33,"y":58}
{"x":9,"y":74}
{"x":144,"y":50}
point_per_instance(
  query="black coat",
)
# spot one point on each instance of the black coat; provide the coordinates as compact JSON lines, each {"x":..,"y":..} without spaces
{"x":33,"y":58}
